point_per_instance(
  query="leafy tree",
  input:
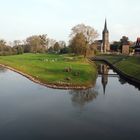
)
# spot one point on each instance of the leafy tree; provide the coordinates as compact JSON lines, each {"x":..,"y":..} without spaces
{"x":124,"y":40}
{"x":37,"y":43}
{"x":78,"y":44}
{"x":65,"y":50}
{"x":26,"y":48}
{"x":2,"y":44}
{"x":115,"y":46}
{"x":50,"y":50}
{"x":89,"y":33}
{"x":4,"y":49}
{"x":56,"y":47}
{"x":18,"y":49}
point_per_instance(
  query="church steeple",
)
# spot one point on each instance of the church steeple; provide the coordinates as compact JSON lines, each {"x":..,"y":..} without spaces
{"x":105,"y":27}
{"x":106,"y":45}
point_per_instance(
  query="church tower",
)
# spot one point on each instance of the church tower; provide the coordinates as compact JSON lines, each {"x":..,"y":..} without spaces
{"x":106,"y":45}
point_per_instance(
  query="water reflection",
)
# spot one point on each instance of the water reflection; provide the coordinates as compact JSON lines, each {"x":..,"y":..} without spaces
{"x":31,"y":111}
{"x":106,"y":73}
{"x":103,"y":70}
{"x":122,"y":81}
{"x":82,"y":97}
{"x":2,"y":70}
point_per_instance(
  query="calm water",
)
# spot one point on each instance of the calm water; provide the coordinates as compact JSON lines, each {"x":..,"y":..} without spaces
{"x":28,"y":111}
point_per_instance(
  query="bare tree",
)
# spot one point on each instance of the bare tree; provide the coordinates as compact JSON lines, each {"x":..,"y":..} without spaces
{"x":37,"y":43}
{"x":51,"y":42}
{"x":16,"y":42}
{"x":62,"y":44}
{"x":90,"y":33}
{"x":78,"y":44}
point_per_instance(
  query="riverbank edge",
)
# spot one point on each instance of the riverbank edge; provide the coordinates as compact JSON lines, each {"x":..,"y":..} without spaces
{"x":130,"y":79}
{"x":54,"y":86}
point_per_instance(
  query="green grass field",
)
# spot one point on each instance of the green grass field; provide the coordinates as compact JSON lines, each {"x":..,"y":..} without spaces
{"x":113,"y":58}
{"x":51,"y":68}
{"x":128,"y":64}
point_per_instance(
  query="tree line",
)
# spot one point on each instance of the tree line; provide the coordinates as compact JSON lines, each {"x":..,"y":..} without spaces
{"x":81,"y":38}
{"x":82,"y":42}
{"x":32,"y":44}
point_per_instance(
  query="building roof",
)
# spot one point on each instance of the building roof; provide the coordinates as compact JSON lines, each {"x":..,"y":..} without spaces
{"x":98,"y":41}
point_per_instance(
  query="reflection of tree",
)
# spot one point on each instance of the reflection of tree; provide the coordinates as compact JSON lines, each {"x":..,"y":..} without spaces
{"x":122,"y":81}
{"x":2,"y":70}
{"x":81,"y":97}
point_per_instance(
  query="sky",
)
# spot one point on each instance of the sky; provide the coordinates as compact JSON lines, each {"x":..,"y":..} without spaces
{"x":22,"y":18}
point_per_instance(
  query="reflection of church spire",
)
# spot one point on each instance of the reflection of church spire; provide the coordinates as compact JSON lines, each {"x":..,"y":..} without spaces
{"x":104,"y":76}
{"x":104,"y":83}
{"x":104,"y":87}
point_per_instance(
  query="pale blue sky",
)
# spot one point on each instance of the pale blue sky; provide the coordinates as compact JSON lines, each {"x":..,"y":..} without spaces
{"x":22,"y":18}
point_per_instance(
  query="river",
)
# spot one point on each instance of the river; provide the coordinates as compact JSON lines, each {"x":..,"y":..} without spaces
{"x":108,"y":111}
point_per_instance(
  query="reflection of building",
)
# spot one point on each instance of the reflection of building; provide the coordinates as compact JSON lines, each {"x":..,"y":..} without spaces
{"x":104,"y":69}
{"x":137,"y":47}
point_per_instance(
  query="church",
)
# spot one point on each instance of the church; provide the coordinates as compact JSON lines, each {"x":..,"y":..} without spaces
{"x":105,"y":40}
{"x":103,"y":45}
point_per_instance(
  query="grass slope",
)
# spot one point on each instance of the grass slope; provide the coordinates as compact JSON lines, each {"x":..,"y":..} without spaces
{"x":130,"y":66}
{"x":127,"y":64}
{"x":49,"y":68}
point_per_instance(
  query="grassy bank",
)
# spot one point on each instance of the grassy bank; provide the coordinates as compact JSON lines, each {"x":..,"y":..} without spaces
{"x":54,"y":69}
{"x":130,"y":65}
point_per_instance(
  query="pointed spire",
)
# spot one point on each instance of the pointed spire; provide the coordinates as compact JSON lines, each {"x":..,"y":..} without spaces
{"x":105,"y":27}
{"x":104,"y":88}
{"x":104,"y":82}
